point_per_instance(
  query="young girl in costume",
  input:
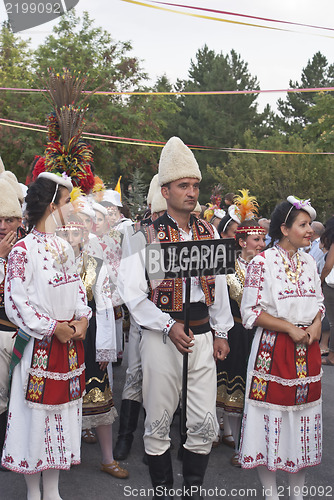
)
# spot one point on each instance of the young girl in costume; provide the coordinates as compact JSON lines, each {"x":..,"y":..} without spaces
{"x":100,"y":347}
{"x":231,"y":373}
{"x":282,"y":423}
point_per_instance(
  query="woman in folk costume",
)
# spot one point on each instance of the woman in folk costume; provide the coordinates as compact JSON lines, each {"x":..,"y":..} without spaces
{"x":45,"y":298}
{"x":100,"y":347}
{"x":282,"y":423}
{"x":231,"y":372}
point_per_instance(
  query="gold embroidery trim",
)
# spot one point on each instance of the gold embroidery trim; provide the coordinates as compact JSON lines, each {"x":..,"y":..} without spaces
{"x":97,"y":396}
{"x":88,"y":275}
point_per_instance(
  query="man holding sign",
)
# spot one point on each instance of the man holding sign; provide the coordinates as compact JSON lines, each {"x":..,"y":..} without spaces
{"x":158,"y":306}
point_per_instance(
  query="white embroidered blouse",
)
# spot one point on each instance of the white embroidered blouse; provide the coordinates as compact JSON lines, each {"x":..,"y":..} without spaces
{"x":268,"y":288}
{"x":43,"y":285}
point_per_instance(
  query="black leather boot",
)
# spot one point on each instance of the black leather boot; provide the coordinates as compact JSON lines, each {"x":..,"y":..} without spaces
{"x":161,"y":472}
{"x":128,"y":421}
{"x":194,"y":467}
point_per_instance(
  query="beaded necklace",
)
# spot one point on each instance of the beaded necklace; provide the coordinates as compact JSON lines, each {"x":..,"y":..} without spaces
{"x":58,"y":254}
{"x":293,"y":276}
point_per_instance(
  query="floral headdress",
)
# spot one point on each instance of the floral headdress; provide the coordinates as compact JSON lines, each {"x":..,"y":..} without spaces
{"x":300,"y":204}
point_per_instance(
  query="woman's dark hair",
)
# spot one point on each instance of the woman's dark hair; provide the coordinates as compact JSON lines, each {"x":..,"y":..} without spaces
{"x":229,"y":197}
{"x":327,"y":238}
{"x":125,"y":210}
{"x":39,"y":196}
{"x":225,"y":221}
{"x":281,"y":212}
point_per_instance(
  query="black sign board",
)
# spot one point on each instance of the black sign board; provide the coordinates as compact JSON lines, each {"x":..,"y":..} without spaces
{"x":185,"y":259}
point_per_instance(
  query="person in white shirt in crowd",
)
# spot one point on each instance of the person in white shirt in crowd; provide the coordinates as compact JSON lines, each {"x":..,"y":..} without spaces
{"x":159,"y":312}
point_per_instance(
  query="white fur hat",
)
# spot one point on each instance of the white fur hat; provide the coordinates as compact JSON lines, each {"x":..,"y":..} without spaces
{"x":159,"y":203}
{"x":154,"y":185}
{"x":10,"y":205}
{"x":177,"y":162}
{"x":12,"y":180}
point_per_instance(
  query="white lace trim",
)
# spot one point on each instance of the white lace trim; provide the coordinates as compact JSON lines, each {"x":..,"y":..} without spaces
{"x":108,"y":418}
{"x":40,"y":406}
{"x":38,"y":372}
{"x":109,"y":355}
{"x":264,"y":404}
{"x":287,"y":382}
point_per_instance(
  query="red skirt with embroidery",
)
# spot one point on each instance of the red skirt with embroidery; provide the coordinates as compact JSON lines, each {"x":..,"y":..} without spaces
{"x":57,"y":372}
{"x":285,"y":373}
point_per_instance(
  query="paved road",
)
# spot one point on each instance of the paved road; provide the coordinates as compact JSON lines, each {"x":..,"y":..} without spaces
{"x":86,"y":482}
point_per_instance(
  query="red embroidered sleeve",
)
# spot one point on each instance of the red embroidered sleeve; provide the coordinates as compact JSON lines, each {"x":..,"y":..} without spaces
{"x":16,"y":265}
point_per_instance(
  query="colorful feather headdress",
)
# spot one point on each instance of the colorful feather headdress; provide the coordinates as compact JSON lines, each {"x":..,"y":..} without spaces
{"x":98,"y":189}
{"x":246,"y":208}
{"x":65,"y":151}
{"x":214,"y":206}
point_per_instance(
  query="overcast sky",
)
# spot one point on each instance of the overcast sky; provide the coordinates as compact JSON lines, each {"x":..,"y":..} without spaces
{"x":166,"y":42}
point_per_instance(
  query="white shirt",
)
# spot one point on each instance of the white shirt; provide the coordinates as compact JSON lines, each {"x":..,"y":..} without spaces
{"x":43,"y":285}
{"x":268,"y":288}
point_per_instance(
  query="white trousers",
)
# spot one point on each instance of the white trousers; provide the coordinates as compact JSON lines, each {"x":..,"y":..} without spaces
{"x":134,"y":376}
{"x":162,"y":387}
{"x":6,"y":349}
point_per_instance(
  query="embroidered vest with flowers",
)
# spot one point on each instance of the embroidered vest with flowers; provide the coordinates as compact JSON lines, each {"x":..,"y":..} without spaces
{"x":167,"y":294}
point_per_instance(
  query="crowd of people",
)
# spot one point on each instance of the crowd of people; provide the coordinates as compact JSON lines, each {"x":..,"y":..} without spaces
{"x":73,"y":265}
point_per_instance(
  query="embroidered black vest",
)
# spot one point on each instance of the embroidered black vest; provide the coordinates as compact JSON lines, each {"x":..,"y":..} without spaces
{"x":167,"y":294}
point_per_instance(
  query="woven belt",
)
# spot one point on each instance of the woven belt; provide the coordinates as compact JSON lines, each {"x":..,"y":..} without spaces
{"x":197,"y":322}
{"x":7,"y":323}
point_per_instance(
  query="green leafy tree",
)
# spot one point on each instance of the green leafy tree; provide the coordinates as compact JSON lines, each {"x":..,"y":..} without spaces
{"x":136,"y":198}
{"x":273,"y":177}
{"x":77,"y":44}
{"x":18,"y":146}
{"x":293,"y":110}
{"x":217,"y":120}
{"x":321,"y":127}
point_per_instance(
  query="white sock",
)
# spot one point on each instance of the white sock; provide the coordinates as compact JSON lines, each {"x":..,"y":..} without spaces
{"x":268,"y":481}
{"x":227,"y":427}
{"x":33,"y":486}
{"x":296,"y":483}
{"x":235,"y":425}
{"x":50,"y":484}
